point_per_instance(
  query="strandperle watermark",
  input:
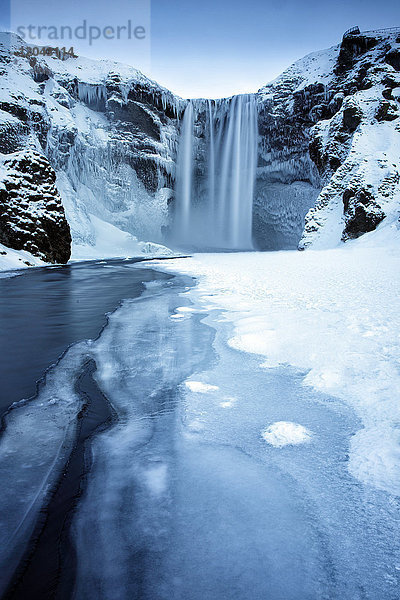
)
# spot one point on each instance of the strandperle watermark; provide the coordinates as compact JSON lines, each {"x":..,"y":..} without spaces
{"x":119,"y":30}
{"x":84,"y":31}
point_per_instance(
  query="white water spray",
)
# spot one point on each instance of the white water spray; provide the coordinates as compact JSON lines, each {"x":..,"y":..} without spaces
{"x":217,"y":212}
{"x":185,"y":172}
{"x":211,"y":165}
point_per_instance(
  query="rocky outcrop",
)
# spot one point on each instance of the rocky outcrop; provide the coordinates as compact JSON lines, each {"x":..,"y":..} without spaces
{"x":356,"y":150}
{"x":387,"y":111}
{"x":362,"y":213}
{"x":32,"y":216}
{"x":330,"y":125}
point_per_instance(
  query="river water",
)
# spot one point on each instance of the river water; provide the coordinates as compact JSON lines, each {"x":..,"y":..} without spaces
{"x":138,"y":470}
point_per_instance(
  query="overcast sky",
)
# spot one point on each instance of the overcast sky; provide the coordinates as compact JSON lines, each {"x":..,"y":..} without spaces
{"x":214,"y":48}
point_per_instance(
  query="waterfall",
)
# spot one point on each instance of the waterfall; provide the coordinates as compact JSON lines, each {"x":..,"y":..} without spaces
{"x":216,"y":173}
{"x":184,"y":169}
{"x":211,"y":165}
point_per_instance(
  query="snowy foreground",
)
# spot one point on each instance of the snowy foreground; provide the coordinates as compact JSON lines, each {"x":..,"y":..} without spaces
{"x":335,"y":315}
{"x":253,"y":449}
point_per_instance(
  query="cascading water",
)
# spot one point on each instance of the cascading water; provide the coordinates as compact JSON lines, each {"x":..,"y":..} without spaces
{"x":184,"y":175}
{"x":216,"y":173}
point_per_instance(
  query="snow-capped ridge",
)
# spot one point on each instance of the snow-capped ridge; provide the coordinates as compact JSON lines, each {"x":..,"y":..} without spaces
{"x":328,"y":141}
{"x":331,"y":121}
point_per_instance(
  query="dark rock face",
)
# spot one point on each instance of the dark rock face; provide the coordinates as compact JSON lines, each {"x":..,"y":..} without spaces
{"x":351,"y":48}
{"x":32,"y":217}
{"x":351,"y":118}
{"x":393,"y":59}
{"x":12,"y":134}
{"x":133,"y":117}
{"x":387,"y":111}
{"x":362,"y":213}
{"x":329,"y":157}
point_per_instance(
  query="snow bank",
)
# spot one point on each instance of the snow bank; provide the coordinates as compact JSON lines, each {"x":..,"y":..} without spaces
{"x":334,"y":314}
{"x":17,"y":259}
{"x":111,"y":242}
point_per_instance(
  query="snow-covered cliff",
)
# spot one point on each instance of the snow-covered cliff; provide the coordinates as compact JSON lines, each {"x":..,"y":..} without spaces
{"x":104,"y":134}
{"x":330,"y":142}
{"x":88,"y":149}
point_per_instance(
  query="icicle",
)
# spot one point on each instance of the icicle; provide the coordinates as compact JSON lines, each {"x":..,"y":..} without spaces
{"x":94,"y":95}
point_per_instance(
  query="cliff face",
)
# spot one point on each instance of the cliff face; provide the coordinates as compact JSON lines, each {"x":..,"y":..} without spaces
{"x":88,"y":150}
{"x":331,"y":122}
{"x":287,"y":180}
{"x":102,"y":137}
{"x":357,"y":150}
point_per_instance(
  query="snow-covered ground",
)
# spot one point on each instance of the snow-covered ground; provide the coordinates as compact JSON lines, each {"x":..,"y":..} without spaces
{"x":227,"y":454}
{"x":335,"y":315}
{"x":17,"y":259}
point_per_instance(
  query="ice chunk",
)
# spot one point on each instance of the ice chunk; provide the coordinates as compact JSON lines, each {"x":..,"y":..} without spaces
{"x":228,"y":401}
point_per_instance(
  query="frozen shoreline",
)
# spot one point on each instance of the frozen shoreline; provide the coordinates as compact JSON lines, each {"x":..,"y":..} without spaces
{"x":333,"y":314}
{"x":16,"y":262}
{"x":215,"y":461}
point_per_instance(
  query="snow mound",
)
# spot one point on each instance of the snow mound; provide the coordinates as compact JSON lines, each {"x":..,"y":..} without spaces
{"x":112,"y":242}
{"x":17,"y":259}
{"x":285,"y":433}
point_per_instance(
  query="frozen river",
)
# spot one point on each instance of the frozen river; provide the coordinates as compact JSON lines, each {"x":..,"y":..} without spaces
{"x":140,"y":470}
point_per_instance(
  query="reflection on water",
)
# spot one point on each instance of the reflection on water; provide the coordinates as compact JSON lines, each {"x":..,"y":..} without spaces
{"x":42,"y":437}
{"x":45,"y":310}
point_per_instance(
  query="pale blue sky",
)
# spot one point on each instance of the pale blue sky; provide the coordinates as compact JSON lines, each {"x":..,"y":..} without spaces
{"x":216,"y":48}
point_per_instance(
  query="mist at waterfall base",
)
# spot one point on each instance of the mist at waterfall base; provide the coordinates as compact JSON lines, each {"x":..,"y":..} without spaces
{"x":215,"y":174}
